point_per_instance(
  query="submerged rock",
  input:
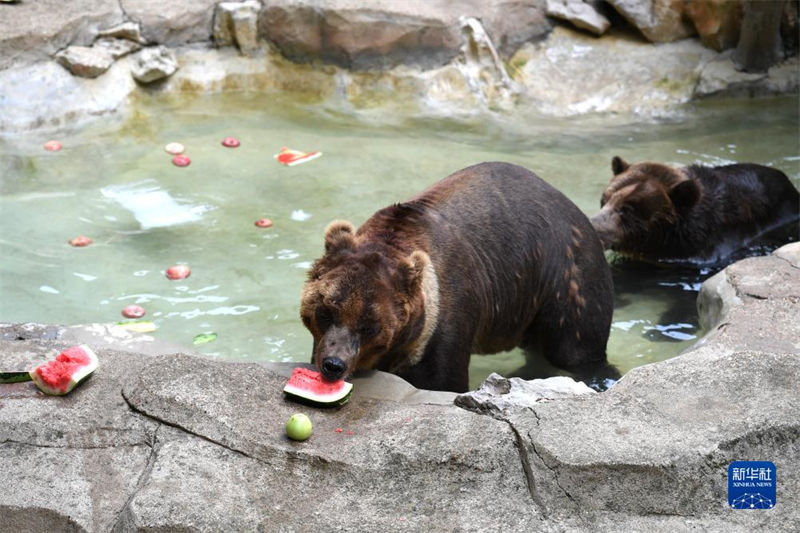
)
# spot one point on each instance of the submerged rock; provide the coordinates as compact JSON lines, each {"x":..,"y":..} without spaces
{"x":84,"y":61}
{"x":153,"y":64}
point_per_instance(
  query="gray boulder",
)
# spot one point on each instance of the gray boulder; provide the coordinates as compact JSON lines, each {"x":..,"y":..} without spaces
{"x":84,"y":61}
{"x":236,"y":23}
{"x":580,"y":14}
{"x":153,"y":64}
{"x":764,"y":287}
{"x":35,"y":31}
{"x":116,"y":47}
{"x":46,"y":95}
{"x":129,"y":30}
{"x":660,"y":441}
{"x":499,"y":396}
{"x":172,"y":23}
{"x":720,"y":76}
{"x":617,"y":74}
{"x":385,"y":34}
{"x":659,"y":21}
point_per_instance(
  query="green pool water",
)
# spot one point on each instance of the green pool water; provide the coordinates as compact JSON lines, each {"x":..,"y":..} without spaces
{"x":113,"y":182}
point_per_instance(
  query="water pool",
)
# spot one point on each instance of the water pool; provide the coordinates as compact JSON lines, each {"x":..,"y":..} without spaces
{"x":113,"y":182}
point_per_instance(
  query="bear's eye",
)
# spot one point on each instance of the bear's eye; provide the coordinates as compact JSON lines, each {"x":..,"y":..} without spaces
{"x":367,"y":331}
{"x":324,"y":317}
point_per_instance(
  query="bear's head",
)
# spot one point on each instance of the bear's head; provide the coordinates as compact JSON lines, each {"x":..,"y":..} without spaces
{"x":364,"y":305}
{"x":642,"y":203}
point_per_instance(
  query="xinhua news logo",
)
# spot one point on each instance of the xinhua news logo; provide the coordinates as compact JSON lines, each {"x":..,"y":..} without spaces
{"x":752,"y":485}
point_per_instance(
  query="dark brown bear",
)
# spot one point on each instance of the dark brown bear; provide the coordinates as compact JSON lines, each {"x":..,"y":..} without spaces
{"x":693,"y":214}
{"x":489,"y":258}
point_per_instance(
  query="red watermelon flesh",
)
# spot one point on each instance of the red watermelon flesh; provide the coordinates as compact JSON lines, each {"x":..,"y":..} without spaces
{"x":310,"y":386}
{"x":66,"y":371}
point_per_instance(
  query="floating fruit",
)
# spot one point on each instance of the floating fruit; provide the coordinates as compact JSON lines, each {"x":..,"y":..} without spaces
{"x":178,"y":272}
{"x":181,"y":161}
{"x":298,"y":427}
{"x":133,"y":311}
{"x":139,"y":326}
{"x":263,"y":223}
{"x":309,"y":386}
{"x":174,"y":148}
{"x":290,"y":157}
{"x":52,"y":146}
{"x":80,"y":241}
{"x":203,"y":338}
{"x":230,"y":142}
{"x":67,"y":371}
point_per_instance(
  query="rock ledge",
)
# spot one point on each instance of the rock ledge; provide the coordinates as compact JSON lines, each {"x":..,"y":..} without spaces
{"x":157,"y":440}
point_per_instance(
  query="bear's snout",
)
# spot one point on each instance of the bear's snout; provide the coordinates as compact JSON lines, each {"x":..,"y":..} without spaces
{"x":607,"y":224}
{"x":336,"y":353}
{"x":333,"y":368}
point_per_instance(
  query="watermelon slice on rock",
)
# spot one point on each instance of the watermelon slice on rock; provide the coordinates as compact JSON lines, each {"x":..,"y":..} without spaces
{"x":66,"y":371}
{"x":308,"y":386}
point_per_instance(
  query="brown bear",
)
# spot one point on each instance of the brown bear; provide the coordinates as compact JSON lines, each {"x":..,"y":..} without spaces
{"x":694,"y":214}
{"x":487,"y":259}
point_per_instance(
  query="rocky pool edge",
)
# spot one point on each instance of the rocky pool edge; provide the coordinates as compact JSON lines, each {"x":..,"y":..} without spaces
{"x":159,"y":439}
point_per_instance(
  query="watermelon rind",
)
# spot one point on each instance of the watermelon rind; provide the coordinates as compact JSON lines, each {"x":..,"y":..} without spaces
{"x":305,"y":400}
{"x":14,"y":376}
{"x":303,"y":381}
{"x":80,"y":374}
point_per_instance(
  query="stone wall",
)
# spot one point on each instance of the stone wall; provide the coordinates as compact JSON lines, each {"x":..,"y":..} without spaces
{"x":61,"y":62}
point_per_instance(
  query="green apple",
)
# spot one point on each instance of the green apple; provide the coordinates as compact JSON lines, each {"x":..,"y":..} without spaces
{"x":298,"y":427}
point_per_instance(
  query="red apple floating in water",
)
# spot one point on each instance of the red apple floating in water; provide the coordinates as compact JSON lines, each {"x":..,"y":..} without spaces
{"x":52,"y":146}
{"x":181,"y":161}
{"x":80,"y":241}
{"x":230,"y":142}
{"x":263,"y":223}
{"x":178,"y":272}
{"x":133,"y":311}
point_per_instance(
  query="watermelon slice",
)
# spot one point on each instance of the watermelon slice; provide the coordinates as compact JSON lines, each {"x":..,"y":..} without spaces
{"x":14,"y":376}
{"x":66,"y":371}
{"x":290,"y":157}
{"x":308,"y":386}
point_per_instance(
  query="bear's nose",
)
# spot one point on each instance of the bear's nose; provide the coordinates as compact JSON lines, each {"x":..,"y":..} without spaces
{"x":333,"y":368}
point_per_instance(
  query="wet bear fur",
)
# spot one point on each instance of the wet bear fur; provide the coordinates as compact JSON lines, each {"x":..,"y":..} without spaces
{"x":488,"y":259}
{"x":694,"y":214}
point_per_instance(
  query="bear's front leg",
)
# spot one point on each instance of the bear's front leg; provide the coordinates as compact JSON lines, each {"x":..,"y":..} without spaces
{"x":445,"y":367}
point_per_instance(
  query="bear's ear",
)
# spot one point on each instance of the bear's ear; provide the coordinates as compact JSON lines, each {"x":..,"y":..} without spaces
{"x":684,"y":195}
{"x":619,"y":165}
{"x":413,"y":268}
{"x":339,"y":235}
